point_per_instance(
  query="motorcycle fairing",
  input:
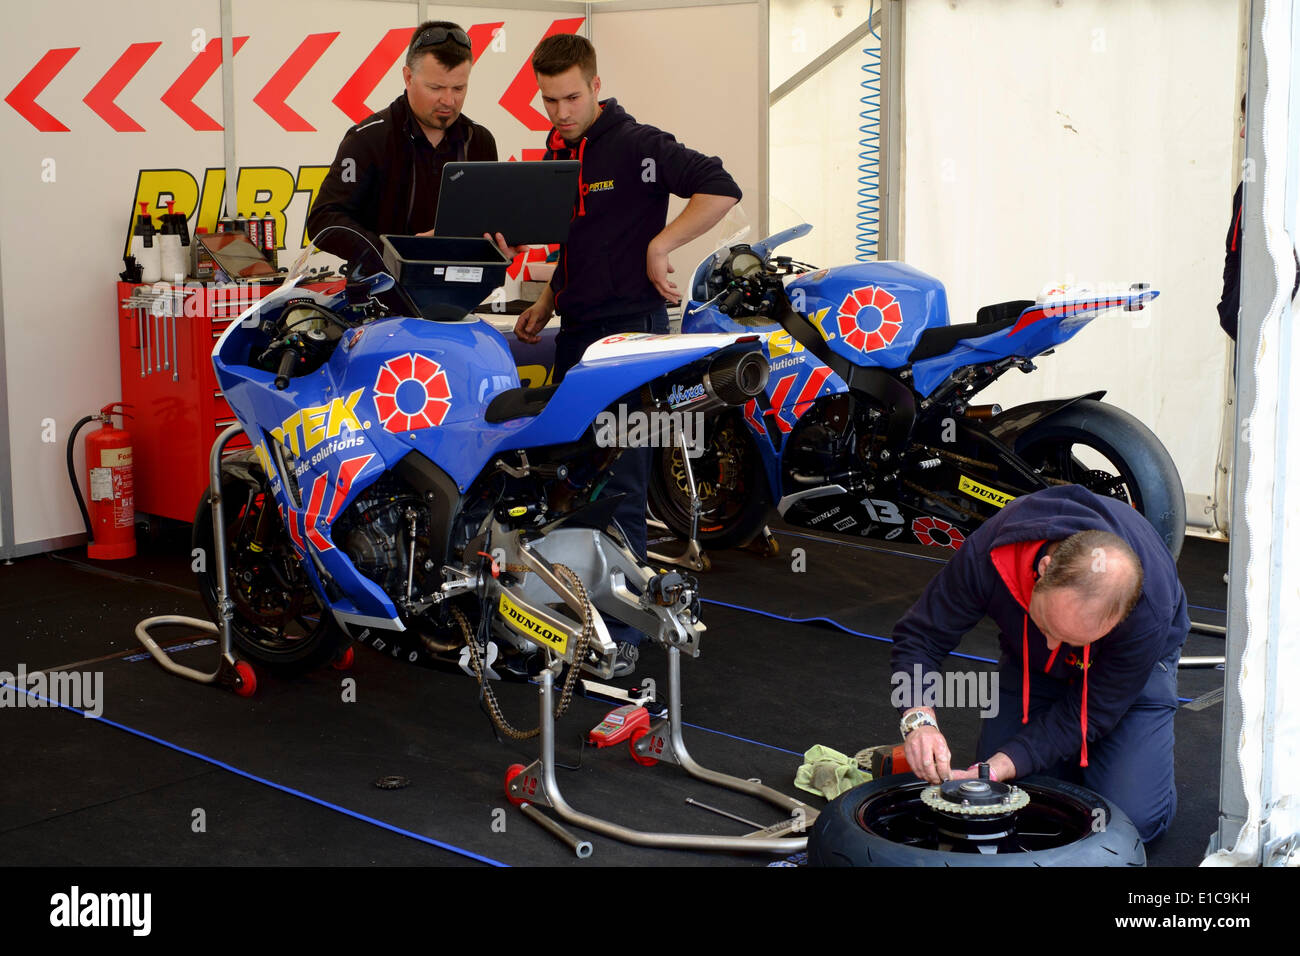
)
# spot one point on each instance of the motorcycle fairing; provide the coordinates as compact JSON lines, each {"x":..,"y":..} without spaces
{"x":609,"y":369}
{"x":1040,"y":327}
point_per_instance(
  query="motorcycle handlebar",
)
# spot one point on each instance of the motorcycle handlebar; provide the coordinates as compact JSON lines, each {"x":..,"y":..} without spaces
{"x":288,"y":359}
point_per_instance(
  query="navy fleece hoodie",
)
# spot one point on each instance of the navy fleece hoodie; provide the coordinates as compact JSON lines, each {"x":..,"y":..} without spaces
{"x":993,"y":573}
{"x":628,"y":171}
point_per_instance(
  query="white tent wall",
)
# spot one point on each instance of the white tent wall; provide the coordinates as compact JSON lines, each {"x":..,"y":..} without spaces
{"x":65,"y":211}
{"x":695,"y":69}
{"x":1259,"y":787}
{"x":1083,"y":141}
{"x":815,"y":130}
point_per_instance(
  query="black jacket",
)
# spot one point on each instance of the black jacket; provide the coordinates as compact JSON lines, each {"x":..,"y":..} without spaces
{"x":386,"y":176}
{"x":628,"y":171}
{"x":1230,"y":302}
{"x":992,"y":574}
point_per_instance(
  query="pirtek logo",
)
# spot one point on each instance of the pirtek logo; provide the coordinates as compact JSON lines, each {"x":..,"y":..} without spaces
{"x":600,"y":187}
{"x":530,"y":625}
{"x":315,"y":425}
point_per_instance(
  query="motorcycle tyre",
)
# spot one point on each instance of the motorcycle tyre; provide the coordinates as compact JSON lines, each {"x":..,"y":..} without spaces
{"x":1138,"y":455}
{"x":837,"y":839}
{"x":667,"y":504}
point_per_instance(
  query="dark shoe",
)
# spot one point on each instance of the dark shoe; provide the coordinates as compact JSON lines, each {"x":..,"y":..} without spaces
{"x":625,"y":661}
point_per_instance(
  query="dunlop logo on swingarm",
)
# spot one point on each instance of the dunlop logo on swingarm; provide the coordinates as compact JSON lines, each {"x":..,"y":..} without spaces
{"x":531,"y":627}
{"x":984,"y":492}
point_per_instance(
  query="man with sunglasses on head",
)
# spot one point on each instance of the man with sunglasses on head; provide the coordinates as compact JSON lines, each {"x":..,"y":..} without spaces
{"x":387,"y":173}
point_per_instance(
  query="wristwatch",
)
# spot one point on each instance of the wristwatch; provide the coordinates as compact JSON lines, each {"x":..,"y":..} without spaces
{"x":917,"y":718}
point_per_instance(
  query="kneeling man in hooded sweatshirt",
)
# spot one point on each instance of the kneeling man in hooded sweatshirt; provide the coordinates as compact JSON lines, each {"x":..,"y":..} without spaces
{"x":1092,"y":619}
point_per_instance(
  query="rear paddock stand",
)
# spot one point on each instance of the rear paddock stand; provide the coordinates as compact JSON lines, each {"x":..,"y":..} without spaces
{"x":537,"y":783}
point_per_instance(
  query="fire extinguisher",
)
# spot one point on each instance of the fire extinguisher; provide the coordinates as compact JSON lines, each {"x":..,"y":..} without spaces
{"x":110,"y":521}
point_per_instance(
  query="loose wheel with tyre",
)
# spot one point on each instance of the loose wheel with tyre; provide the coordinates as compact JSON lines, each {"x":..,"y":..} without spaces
{"x":277,"y":620}
{"x":1109,"y":452}
{"x":1037,"y":821}
{"x":729,"y":480}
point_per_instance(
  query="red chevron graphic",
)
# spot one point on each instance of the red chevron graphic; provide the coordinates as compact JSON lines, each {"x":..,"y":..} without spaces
{"x":100,"y":98}
{"x":518,"y":97}
{"x":480,"y":36}
{"x":351,"y":99}
{"x":23,"y":96}
{"x":349,"y":468}
{"x":180,"y":95}
{"x":272,"y":96}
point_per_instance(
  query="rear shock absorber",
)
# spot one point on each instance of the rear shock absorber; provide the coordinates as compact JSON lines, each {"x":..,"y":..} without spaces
{"x":869,"y":168}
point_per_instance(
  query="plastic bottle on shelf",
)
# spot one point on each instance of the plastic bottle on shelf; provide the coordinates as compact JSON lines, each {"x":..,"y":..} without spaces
{"x":145,"y":246}
{"x":175,"y":258}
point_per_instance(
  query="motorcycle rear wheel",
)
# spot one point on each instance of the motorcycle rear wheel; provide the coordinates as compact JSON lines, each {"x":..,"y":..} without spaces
{"x":885,"y":823}
{"x":729,"y":480}
{"x":278,"y":621}
{"x":1138,"y":468}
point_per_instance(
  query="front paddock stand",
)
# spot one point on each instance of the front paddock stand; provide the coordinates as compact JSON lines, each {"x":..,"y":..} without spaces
{"x":235,"y":674}
{"x":537,"y":783}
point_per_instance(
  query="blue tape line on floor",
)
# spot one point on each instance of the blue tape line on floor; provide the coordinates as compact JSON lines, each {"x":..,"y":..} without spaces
{"x":833,"y":623}
{"x":272,"y":784}
{"x":847,"y":630}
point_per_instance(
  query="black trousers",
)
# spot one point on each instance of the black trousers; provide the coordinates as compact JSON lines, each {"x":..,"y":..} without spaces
{"x":630,"y":475}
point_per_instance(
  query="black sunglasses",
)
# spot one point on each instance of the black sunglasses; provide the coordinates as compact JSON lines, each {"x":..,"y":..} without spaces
{"x":436,"y":35}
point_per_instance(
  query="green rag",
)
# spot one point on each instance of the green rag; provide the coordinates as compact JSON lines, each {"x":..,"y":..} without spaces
{"x":829,"y":773}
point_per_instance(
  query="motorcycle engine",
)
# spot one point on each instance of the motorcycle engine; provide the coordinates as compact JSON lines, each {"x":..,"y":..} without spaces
{"x":375,"y":533}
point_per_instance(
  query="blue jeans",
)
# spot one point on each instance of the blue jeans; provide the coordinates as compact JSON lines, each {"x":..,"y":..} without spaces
{"x":630,"y":474}
{"x":1132,"y":766}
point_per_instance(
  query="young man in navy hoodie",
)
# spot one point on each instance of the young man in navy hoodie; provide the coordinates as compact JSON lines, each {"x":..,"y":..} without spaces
{"x":1092,"y":619}
{"x":612,"y":275}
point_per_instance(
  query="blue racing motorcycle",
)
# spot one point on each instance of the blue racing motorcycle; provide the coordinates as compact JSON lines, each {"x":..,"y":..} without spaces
{"x":867,"y":427}
{"x":403,"y":489}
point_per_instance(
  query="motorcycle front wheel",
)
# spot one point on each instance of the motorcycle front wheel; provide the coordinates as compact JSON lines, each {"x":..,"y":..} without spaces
{"x":728,"y":479}
{"x":1109,"y":452}
{"x":278,"y":621}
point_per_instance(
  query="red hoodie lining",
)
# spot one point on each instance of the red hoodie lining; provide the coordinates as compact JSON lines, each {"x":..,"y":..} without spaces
{"x":1015,"y":563}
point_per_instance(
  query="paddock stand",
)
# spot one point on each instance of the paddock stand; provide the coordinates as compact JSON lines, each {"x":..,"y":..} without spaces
{"x":235,"y":674}
{"x":537,"y":784}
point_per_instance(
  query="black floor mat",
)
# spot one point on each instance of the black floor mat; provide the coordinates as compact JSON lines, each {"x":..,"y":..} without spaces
{"x":763,"y":691}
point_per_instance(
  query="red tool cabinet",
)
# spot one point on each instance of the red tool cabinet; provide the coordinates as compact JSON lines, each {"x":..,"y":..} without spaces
{"x":165,"y":340}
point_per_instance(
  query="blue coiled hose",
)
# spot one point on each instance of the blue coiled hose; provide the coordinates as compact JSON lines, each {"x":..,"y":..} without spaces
{"x":869,"y":167}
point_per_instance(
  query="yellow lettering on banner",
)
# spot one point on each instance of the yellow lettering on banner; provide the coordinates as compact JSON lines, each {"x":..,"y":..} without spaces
{"x":309,"y":181}
{"x":984,"y":492}
{"x":155,"y":187}
{"x":263,"y":188}
{"x":531,"y":627}
{"x":214,"y":197}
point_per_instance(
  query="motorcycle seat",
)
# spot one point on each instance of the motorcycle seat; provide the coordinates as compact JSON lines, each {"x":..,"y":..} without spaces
{"x":991,"y":318}
{"x":522,"y":402}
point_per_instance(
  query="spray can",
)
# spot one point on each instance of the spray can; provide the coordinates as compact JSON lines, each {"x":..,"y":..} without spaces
{"x":270,"y":244}
{"x":145,"y":246}
{"x":253,"y":229}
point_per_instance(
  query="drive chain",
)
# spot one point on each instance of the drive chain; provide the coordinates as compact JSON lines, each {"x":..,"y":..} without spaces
{"x":570,"y":679}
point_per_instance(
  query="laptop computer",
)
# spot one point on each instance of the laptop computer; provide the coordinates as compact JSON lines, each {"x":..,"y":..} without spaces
{"x":528,"y":203}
